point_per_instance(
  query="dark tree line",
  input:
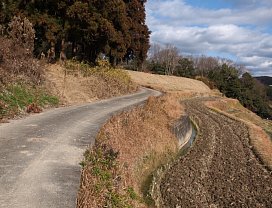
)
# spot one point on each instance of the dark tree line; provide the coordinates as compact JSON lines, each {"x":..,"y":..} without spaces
{"x":85,"y":29}
{"x":250,"y":92}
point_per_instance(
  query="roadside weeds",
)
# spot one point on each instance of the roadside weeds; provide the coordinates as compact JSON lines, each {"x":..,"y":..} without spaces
{"x":118,"y":170}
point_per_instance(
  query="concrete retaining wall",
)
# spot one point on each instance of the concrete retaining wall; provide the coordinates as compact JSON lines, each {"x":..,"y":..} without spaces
{"x":183,"y":130}
{"x":185,"y":133}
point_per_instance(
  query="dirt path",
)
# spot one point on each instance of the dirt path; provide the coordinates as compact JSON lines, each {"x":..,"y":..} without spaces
{"x":40,"y":155}
{"x":220,"y":169}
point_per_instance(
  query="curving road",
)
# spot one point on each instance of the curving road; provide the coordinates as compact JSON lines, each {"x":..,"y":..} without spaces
{"x":220,"y":169}
{"x":40,"y":155}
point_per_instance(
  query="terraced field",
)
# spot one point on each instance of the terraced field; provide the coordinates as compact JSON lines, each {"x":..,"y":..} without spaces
{"x":220,"y":169}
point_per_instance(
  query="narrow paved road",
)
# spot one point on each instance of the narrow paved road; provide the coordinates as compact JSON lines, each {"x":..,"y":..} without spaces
{"x":40,"y":155}
{"x":220,"y":169}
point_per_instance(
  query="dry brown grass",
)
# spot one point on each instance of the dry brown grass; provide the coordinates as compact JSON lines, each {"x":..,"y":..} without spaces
{"x":168,"y":83}
{"x":260,"y":141}
{"x":262,"y":144}
{"x":144,"y":141}
{"x":74,"y":88}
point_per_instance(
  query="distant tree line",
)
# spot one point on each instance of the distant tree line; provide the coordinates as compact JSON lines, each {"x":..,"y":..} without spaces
{"x":266,"y":80}
{"x":230,"y":78}
{"x":85,"y":29}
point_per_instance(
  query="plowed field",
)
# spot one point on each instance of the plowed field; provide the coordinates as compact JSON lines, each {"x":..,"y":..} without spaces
{"x":220,"y":169}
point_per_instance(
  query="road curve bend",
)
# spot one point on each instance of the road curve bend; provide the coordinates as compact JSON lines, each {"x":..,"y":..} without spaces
{"x":40,"y":154}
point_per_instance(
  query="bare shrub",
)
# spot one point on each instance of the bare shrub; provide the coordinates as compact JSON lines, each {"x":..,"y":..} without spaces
{"x":21,"y":32}
{"x":16,"y":59}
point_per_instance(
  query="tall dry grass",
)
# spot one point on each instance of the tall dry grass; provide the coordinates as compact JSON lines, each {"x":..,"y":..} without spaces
{"x":137,"y":143}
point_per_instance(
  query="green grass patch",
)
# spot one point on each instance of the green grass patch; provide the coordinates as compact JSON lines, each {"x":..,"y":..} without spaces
{"x":15,"y":98}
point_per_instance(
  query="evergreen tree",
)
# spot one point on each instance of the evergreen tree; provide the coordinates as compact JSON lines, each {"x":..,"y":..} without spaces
{"x":185,"y":68}
{"x":138,"y":30}
{"x":115,"y":28}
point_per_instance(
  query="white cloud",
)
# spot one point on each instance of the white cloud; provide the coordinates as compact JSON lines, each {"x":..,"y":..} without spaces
{"x":181,"y":13}
{"x":222,"y":31}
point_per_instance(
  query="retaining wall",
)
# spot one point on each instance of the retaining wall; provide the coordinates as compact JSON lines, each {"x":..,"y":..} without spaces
{"x":185,"y":133}
{"x":183,"y":130}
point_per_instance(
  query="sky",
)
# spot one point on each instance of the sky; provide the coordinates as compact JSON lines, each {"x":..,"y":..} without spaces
{"x":240,"y":30}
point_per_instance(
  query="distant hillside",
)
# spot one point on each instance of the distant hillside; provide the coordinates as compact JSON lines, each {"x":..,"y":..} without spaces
{"x":265,"y":80}
{"x":168,"y":83}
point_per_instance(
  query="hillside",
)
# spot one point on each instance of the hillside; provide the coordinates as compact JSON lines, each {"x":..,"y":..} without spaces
{"x":169,"y":83}
{"x":76,"y":83}
{"x":266,"y":80}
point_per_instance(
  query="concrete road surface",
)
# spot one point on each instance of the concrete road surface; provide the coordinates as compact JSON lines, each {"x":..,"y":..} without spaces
{"x":40,"y":154}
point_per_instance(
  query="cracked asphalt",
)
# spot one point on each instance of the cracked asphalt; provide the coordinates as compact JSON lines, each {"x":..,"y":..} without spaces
{"x":40,"y":154}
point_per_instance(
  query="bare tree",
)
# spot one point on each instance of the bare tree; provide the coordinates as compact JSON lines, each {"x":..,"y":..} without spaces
{"x":16,"y":53}
{"x":155,"y":50}
{"x":62,"y":52}
{"x":21,"y":32}
{"x":205,"y":64}
{"x":167,"y":56}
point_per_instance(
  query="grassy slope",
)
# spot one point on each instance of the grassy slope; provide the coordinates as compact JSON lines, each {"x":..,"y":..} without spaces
{"x":169,"y":83}
{"x":129,"y":148}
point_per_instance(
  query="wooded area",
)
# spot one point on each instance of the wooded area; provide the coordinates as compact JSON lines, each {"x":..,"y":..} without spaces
{"x":84,"y":29}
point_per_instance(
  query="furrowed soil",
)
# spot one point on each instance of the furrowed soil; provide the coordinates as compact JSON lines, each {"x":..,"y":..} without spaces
{"x":220,"y":169}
